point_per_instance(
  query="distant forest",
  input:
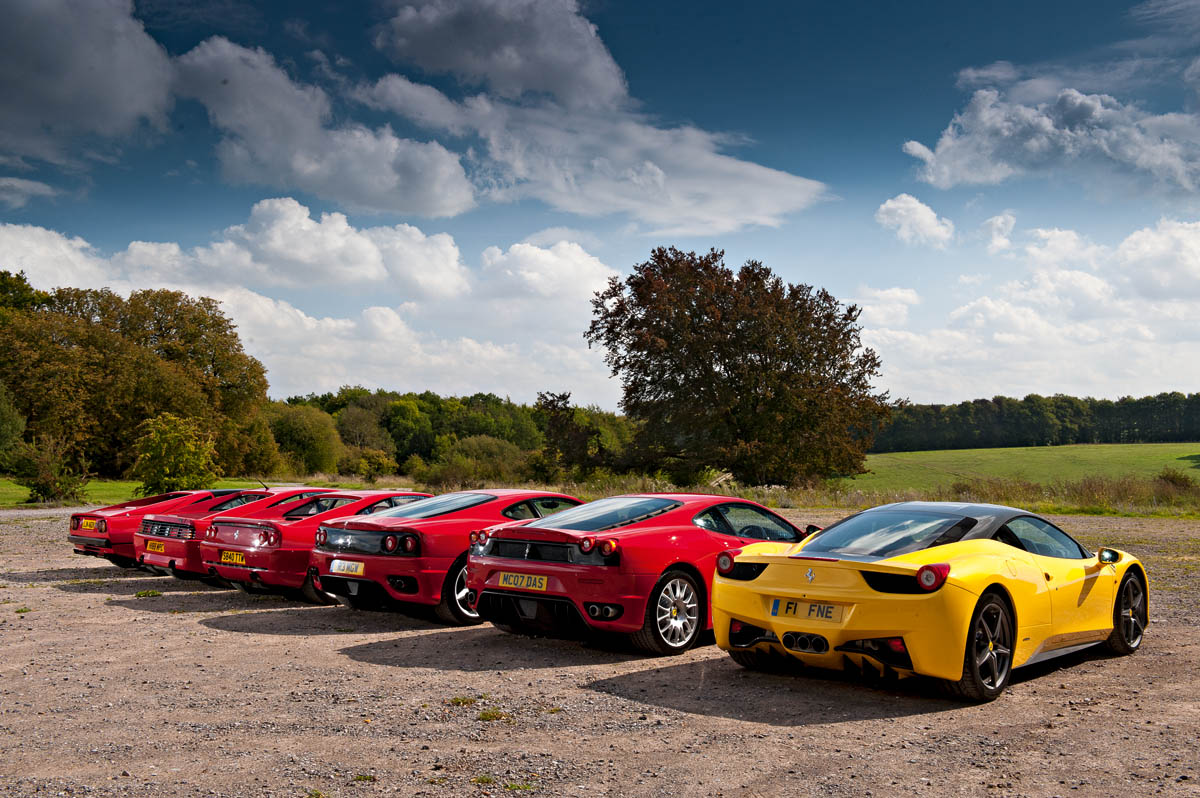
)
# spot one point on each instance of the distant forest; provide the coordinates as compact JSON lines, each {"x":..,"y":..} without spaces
{"x":1041,"y":421}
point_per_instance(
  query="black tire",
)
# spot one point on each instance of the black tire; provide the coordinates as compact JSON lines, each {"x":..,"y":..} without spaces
{"x":453,"y":608}
{"x":1130,"y":615}
{"x":987,"y":659}
{"x":308,"y":592}
{"x":675,"y":614}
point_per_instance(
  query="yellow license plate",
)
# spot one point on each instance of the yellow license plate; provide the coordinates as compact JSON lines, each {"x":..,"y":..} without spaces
{"x":88,"y":523}
{"x":347,"y":567}
{"x":156,"y":545}
{"x":522,"y":581}
{"x":233,"y":557}
{"x":806,"y":610}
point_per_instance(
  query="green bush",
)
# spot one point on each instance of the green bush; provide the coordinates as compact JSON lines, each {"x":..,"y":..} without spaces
{"x":307,"y":434}
{"x":44,"y":467}
{"x":471,"y":462}
{"x":173,"y":453}
{"x":366,"y":463}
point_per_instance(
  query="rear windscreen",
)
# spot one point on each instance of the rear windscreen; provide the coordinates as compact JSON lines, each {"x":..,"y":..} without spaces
{"x":437,"y":505}
{"x":887,"y":533}
{"x":607,"y":513}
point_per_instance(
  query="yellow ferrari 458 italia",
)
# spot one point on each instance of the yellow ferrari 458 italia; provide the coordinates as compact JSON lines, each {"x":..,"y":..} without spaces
{"x":960,"y":592}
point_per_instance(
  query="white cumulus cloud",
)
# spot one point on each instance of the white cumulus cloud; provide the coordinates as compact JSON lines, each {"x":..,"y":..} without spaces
{"x":915,"y":222}
{"x":675,"y":180}
{"x":996,"y":138}
{"x":280,"y":133}
{"x":1082,"y":319}
{"x":15,"y":192}
{"x":71,"y":71}
{"x":514,"y":326}
{"x":513,"y":47}
{"x":998,"y":230}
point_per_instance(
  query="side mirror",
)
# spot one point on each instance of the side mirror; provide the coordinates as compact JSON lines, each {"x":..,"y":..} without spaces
{"x":811,"y":529}
{"x":1108,"y":556}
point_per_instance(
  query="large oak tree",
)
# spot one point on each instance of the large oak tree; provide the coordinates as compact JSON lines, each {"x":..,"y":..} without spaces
{"x":740,"y":371}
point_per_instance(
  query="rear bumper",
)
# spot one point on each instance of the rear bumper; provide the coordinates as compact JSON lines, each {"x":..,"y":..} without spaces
{"x":177,"y":554}
{"x":273,"y":567}
{"x":581,"y":588}
{"x":384,"y":579}
{"x":99,"y":545}
{"x":933,"y":626}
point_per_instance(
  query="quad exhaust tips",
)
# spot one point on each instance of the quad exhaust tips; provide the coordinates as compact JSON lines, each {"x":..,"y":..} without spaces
{"x":804,"y":643}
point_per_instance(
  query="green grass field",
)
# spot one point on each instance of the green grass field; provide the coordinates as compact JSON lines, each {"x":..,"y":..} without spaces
{"x":99,"y":491}
{"x":1089,"y":479}
{"x":918,"y":471}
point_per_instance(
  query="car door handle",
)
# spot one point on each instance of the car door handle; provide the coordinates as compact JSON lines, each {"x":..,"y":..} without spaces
{"x":1048,"y":576}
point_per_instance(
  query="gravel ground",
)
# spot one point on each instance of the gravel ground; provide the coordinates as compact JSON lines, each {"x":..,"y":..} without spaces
{"x":206,"y":692}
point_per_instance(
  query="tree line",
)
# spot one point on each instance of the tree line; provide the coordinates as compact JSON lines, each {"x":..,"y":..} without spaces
{"x":1041,"y":421}
{"x":721,"y":371}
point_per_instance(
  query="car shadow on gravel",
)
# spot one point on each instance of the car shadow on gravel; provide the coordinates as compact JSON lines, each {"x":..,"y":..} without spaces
{"x":104,"y":571}
{"x":482,"y":648}
{"x":799,"y":697}
{"x":307,"y":619}
{"x":129,"y":587}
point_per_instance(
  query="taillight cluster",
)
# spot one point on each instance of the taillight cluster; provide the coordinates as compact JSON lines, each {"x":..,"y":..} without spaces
{"x":478,"y":538}
{"x":931,"y":577}
{"x":268,"y":537}
{"x":607,"y":547}
{"x":75,"y":522}
{"x":399,"y":544}
{"x":725,"y":561}
{"x":321,"y":537}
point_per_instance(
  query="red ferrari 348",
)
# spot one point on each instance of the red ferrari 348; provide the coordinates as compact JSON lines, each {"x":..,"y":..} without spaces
{"x":417,"y":554}
{"x":639,"y":564}
{"x":108,"y":531}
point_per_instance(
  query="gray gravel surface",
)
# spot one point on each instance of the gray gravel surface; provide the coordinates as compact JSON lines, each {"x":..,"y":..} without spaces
{"x":207,"y":692}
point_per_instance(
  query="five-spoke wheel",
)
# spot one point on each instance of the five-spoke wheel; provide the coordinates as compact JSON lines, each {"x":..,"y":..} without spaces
{"x":987,"y":663}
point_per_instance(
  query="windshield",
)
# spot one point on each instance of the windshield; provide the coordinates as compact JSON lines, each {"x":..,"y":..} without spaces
{"x":607,"y":513}
{"x":437,"y":505}
{"x":887,"y":533}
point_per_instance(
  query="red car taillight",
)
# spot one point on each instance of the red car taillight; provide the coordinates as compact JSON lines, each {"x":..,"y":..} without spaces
{"x":931,"y":577}
{"x":75,"y":522}
{"x":321,"y":538}
{"x":608,"y":548}
{"x":101,"y":526}
{"x":587,"y":544}
{"x":410,"y":544}
{"x":390,"y":543}
{"x":725,"y":563}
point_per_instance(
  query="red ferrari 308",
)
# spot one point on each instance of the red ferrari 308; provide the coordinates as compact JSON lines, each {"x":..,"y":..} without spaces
{"x":170,"y":543}
{"x":108,"y":531}
{"x":272,"y":554}
{"x":640,"y":565}
{"x":417,"y":554}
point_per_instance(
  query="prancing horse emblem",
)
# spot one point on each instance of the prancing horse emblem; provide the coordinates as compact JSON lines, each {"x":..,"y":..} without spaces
{"x":810,"y":575}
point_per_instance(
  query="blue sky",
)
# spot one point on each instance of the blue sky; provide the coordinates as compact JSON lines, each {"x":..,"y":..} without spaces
{"x":421,"y":195}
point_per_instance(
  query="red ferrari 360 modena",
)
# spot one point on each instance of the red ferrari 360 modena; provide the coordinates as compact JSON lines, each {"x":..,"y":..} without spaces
{"x":417,"y":554}
{"x":272,"y":554}
{"x":170,"y":543}
{"x":640,"y":564}
{"x":108,"y":531}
